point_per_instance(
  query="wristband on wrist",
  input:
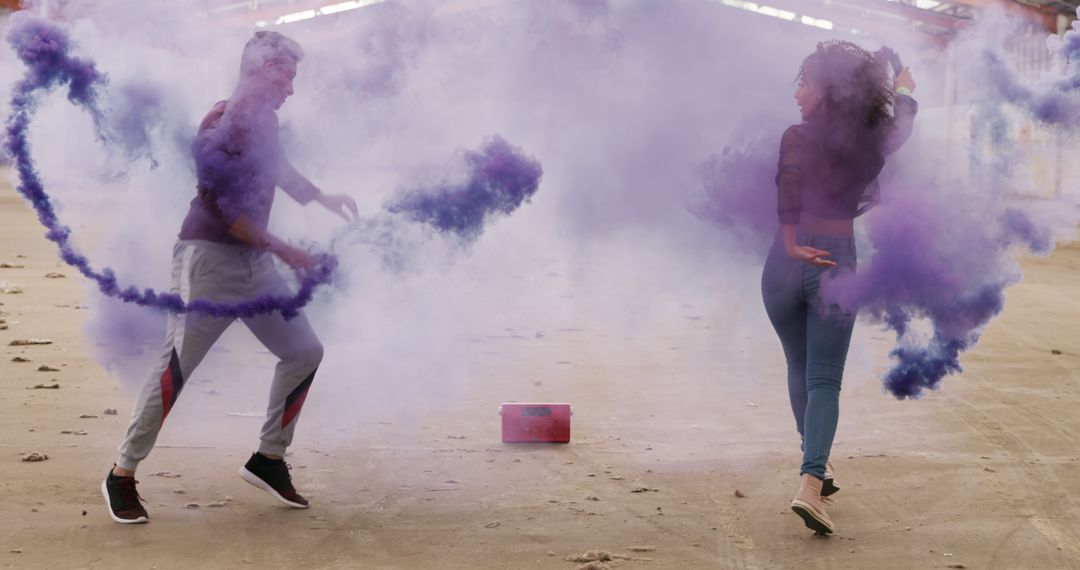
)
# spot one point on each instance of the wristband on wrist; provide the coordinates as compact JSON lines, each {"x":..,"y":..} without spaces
{"x":903,"y":91}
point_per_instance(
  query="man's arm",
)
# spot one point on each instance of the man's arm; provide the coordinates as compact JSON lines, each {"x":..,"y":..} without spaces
{"x":247,"y":232}
{"x":295,"y":184}
{"x":303,"y":191}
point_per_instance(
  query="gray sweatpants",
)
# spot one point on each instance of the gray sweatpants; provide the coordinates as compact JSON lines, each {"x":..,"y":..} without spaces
{"x":225,"y":273}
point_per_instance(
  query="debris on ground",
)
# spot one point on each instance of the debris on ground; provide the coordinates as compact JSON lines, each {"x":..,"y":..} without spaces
{"x":29,"y":342}
{"x":641,"y":548}
{"x":20,"y":359}
{"x":165,"y":474}
{"x":54,"y":275}
{"x":34,"y":456}
{"x":740,"y":494}
{"x":644,"y":490}
{"x":109,"y":411}
{"x":492,"y":524}
{"x":86,"y":416}
{"x":596,"y":556}
{"x":53,"y":386}
{"x":47,"y":368}
{"x":73,"y":432}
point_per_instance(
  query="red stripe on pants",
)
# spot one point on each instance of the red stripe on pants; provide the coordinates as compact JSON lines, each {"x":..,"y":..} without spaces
{"x":167,"y":392}
{"x":293,"y":410}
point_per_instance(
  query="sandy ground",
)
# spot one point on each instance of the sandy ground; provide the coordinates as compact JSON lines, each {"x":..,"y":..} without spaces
{"x":984,"y":474}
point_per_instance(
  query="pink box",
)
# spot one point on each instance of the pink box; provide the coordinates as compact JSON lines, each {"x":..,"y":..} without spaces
{"x":535,"y":423}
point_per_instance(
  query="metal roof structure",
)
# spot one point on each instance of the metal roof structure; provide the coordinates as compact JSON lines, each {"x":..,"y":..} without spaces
{"x":939,"y":18}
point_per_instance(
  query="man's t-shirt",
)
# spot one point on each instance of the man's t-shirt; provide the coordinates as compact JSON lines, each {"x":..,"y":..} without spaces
{"x":238,"y":162}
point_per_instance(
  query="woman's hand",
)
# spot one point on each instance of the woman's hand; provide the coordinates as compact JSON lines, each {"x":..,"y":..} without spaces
{"x":341,"y":205}
{"x":811,"y":255}
{"x":904,"y":80}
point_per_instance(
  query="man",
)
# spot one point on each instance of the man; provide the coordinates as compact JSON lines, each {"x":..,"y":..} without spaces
{"x":224,"y":254}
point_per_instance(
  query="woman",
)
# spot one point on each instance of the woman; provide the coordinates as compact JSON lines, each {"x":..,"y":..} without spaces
{"x":853,"y":117}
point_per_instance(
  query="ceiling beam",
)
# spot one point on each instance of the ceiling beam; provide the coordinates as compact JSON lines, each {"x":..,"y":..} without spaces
{"x":1044,"y":18}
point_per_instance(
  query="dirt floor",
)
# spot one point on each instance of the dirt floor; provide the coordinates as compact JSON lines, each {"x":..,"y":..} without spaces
{"x":666,"y":468}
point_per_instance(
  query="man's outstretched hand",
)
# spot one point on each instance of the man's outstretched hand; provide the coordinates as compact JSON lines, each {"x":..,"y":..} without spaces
{"x":341,"y":205}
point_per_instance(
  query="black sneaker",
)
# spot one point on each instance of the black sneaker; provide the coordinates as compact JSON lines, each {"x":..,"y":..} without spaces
{"x":272,"y":476}
{"x":124,"y":502}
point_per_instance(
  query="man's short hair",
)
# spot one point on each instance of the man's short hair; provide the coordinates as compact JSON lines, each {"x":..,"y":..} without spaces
{"x":269,"y":46}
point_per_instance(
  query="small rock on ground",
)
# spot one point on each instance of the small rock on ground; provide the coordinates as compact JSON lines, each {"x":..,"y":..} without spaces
{"x":29,"y":341}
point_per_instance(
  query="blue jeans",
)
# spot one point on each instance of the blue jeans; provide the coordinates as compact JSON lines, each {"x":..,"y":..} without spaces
{"x":815,"y":337}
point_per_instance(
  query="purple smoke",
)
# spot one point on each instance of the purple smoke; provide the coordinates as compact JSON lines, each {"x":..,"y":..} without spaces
{"x":1056,"y":103}
{"x":45,"y":48}
{"x":140,"y":109}
{"x":946,"y":261}
{"x":739,"y":186}
{"x":931,"y":261}
{"x":500,"y":179}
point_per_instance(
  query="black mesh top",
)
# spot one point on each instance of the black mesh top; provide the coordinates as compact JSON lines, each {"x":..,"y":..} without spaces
{"x":833,"y":185}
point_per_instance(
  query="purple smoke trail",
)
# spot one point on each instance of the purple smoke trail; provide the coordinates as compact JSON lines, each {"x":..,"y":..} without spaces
{"x":500,"y":179}
{"x":45,"y":48}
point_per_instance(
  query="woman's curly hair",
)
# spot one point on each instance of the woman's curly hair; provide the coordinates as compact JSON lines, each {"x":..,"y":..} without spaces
{"x":857,"y":96}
